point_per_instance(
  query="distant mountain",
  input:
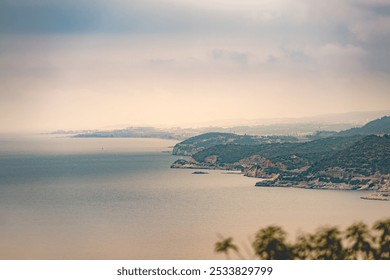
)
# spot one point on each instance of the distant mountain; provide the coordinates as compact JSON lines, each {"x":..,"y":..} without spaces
{"x":201,"y":142}
{"x":378,"y":127}
{"x":293,"y":129}
{"x":131,"y":132}
{"x":348,"y":118}
{"x":357,"y":118}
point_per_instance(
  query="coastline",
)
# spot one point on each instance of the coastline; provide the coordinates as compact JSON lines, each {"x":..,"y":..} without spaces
{"x":273,"y":182}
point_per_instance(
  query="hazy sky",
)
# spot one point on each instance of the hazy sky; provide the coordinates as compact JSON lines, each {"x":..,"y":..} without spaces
{"x":78,"y":64}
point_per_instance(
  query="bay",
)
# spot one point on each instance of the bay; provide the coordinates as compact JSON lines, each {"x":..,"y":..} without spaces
{"x":83,"y":198}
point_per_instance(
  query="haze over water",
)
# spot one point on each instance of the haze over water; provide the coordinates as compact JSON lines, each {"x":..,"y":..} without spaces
{"x":71,"y":198}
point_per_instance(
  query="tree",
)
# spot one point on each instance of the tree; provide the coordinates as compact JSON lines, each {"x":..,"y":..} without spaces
{"x":270,"y":244}
{"x":325,"y":244}
{"x":383,"y":250}
{"x":328,"y":244}
{"x":303,"y":249}
{"x":225,"y":246}
{"x":360,"y":238}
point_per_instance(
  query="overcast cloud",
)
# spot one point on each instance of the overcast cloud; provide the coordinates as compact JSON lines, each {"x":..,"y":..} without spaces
{"x":87,"y":64}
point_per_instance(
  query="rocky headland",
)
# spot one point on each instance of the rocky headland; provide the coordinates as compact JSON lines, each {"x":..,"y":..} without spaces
{"x":354,"y":162}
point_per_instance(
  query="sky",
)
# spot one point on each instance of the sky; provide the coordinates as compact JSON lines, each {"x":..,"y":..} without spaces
{"x":80,"y":64}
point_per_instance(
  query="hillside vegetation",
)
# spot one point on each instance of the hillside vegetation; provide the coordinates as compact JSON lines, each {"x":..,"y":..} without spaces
{"x":198,"y":143}
{"x":379,"y":126}
{"x":356,"y":161}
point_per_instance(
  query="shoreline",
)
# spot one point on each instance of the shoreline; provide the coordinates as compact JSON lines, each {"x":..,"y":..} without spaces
{"x":383,"y":195}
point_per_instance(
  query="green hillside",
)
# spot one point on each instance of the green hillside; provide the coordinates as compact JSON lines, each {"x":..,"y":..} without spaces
{"x":367,"y":156}
{"x":310,"y":151}
{"x":208,"y":140}
{"x":378,"y":127}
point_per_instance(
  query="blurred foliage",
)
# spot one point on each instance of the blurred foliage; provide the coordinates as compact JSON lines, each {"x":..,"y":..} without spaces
{"x":356,"y":242}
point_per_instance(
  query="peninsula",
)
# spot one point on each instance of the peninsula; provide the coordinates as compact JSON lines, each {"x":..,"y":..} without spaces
{"x":355,"y":159}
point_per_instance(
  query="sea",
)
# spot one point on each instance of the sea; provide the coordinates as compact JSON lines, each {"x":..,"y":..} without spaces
{"x":117,"y":198}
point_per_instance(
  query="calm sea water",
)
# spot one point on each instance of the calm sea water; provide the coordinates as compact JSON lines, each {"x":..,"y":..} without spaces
{"x":69,"y":198}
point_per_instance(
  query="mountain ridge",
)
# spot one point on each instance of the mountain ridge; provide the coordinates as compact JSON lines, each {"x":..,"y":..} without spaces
{"x":378,"y":126}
